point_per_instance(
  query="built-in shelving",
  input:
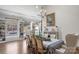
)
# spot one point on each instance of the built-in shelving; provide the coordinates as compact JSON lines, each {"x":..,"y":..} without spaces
{"x":2,"y":30}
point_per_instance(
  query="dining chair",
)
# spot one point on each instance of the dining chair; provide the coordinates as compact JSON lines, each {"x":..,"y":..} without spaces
{"x":29,"y":44}
{"x":34,"y":47}
{"x":71,"y":44}
{"x":40,"y":48}
{"x":28,"y":41}
{"x":71,"y":40}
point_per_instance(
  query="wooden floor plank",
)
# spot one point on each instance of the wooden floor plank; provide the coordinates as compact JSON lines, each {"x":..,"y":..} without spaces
{"x":14,"y":47}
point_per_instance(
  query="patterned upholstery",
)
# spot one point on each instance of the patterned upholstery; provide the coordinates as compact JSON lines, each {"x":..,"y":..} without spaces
{"x":71,"y":44}
{"x":71,"y":40}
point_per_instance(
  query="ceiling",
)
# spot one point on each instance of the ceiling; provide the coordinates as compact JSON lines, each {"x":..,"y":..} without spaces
{"x":28,"y":12}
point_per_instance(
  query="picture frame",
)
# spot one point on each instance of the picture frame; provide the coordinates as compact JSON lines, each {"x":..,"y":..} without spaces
{"x":50,"y":19}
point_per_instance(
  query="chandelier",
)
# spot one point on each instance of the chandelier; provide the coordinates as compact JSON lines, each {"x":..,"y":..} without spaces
{"x":42,"y":12}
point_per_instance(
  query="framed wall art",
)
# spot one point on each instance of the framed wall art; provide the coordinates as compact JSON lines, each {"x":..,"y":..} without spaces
{"x":51,"y":19}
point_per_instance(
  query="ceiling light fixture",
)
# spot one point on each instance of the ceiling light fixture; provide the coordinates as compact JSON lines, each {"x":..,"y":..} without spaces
{"x":36,"y":6}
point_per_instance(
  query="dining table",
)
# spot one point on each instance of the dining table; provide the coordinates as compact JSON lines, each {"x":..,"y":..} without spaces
{"x":53,"y":44}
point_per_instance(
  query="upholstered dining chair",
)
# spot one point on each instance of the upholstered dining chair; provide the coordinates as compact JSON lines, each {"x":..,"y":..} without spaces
{"x":40,"y":48}
{"x":34,"y":47}
{"x":28,"y":41}
{"x":29,"y":44}
{"x":71,"y":45}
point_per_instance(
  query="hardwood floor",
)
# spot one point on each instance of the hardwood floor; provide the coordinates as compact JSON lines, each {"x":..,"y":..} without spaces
{"x":14,"y":47}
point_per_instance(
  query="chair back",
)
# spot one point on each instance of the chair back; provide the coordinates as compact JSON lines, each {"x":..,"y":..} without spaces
{"x":29,"y":41}
{"x":39,"y":45}
{"x":71,"y":40}
{"x":33,"y":40}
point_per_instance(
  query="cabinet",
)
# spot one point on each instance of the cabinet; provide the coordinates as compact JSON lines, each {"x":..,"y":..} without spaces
{"x":52,"y":31}
{"x":50,"y":28}
{"x":2,"y":30}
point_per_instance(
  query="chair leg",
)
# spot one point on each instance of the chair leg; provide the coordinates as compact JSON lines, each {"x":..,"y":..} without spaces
{"x":51,"y":51}
{"x":34,"y":51}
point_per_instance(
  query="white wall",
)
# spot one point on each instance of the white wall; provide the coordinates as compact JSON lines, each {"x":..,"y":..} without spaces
{"x":67,"y":18}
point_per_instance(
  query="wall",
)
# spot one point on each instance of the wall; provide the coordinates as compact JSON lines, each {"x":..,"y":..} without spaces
{"x":67,"y":18}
